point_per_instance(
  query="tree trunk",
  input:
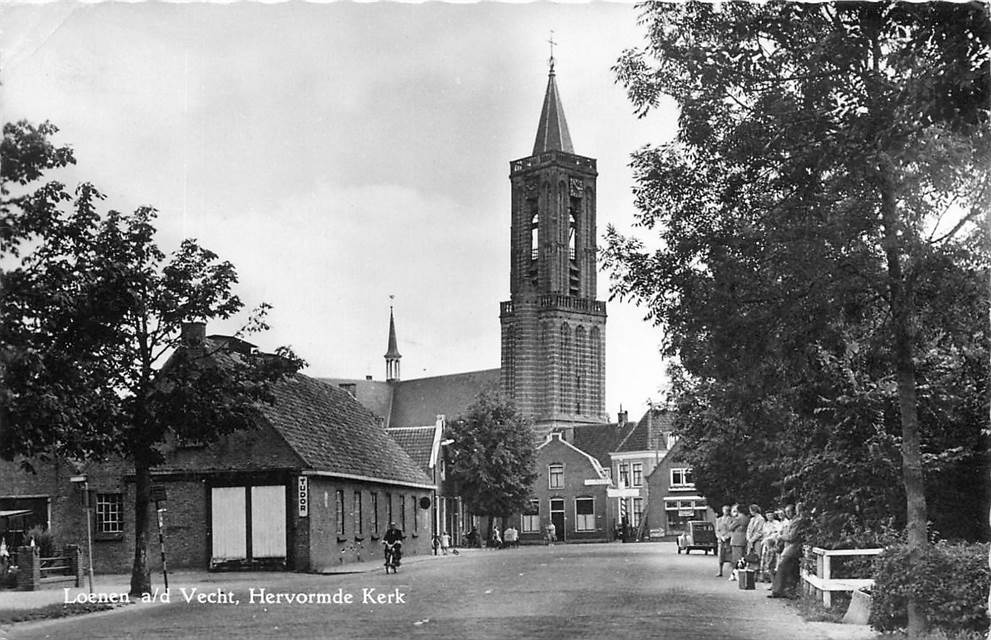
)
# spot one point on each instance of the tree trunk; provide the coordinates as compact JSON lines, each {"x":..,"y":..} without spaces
{"x":140,"y":572}
{"x":902,"y":324}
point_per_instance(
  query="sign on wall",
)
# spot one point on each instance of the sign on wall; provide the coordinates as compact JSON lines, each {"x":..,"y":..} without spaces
{"x":303,"y":496}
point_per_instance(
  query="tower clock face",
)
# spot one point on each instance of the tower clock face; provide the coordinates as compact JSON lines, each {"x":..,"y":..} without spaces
{"x":576,"y":187}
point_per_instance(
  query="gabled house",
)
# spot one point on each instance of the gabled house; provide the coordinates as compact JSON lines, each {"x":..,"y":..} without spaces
{"x":569,"y":491}
{"x":674,"y":499}
{"x":426,"y":447}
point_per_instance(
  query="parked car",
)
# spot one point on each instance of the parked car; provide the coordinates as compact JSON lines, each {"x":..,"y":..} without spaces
{"x":699,"y":535}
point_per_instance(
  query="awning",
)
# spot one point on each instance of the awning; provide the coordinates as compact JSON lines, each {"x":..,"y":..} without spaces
{"x":14,"y":512}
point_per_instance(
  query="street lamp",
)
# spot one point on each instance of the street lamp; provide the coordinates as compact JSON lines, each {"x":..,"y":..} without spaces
{"x":82,"y":479}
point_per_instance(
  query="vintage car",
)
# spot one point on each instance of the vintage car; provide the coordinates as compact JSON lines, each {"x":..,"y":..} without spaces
{"x":699,"y":535}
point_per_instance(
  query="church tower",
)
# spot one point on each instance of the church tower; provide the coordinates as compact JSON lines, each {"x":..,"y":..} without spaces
{"x":553,"y":328}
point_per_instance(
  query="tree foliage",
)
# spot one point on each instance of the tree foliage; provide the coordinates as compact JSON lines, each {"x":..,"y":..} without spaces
{"x":819,"y":272}
{"x":492,"y":457}
{"x":91,"y":310}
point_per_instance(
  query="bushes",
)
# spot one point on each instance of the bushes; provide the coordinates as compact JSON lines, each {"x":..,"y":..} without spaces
{"x":950,"y":584}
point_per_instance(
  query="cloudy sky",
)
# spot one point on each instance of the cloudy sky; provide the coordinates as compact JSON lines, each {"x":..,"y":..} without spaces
{"x":342,"y":153}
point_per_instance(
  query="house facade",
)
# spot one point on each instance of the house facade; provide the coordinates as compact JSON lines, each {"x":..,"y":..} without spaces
{"x":570,"y":492}
{"x":674,"y":500}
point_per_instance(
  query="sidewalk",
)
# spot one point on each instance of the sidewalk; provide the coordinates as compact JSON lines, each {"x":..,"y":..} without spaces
{"x":118,"y":584}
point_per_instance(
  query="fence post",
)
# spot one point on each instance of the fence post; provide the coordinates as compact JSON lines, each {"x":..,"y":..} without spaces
{"x":28,"y":568}
{"x":75,"y":555}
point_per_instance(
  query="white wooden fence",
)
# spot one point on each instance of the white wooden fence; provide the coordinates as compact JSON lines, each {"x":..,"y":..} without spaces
{"x":823,"y":580}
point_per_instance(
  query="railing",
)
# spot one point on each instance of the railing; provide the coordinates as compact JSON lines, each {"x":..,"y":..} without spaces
{"x":567,"y":302}
{"x":823,"y":580}
{"x":552,"y":156}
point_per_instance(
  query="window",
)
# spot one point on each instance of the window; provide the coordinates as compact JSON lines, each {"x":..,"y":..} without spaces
{"x":375,"y":512}
{"x":637,"y":511}
{"x":555,"y":476}
{"x":356,"y":513}
{"x":637,"y":474}
{"x":402,"y":512}
{"x":339,"y":509}
{"x":416,"y":514}
{"x":572,"y":234}
{"x":682,"y":479}
{"x":534,"y":237}
{"x":624,"y":474}
{"x":109,"y":507}
{"x":584,"y":514}
{"x":530,"y":522}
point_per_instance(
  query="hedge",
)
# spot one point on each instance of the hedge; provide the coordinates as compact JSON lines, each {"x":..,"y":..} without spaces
{"x":950,"y":584}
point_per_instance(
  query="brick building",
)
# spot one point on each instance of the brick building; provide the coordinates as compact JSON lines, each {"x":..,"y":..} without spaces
{"x":312,"y":484}
{"x":570,"y":491}
{"x":673,"y":497}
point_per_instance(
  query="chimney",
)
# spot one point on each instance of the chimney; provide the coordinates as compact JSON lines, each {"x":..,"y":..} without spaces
{"x":193,"y":334}
{"x":368,"y":377}
{"x":622,"y":417}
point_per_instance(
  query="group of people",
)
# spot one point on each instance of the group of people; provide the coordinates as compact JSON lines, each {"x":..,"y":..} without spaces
{"x":509,"y":538}
{"x":769,"y":543}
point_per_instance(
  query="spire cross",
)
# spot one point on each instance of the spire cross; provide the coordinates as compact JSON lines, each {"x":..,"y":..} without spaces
{"x":550,"y":40}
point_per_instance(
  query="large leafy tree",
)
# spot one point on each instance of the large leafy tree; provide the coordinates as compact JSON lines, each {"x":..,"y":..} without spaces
{"x":492,"y":457}
{"x":94,"y":363}
{"x":820,"y":275}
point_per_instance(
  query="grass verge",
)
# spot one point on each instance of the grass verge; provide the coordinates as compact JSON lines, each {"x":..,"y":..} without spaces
{"x":56,"y":610}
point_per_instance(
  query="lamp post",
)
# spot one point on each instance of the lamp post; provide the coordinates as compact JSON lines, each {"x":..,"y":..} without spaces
{"x":82,"y":479}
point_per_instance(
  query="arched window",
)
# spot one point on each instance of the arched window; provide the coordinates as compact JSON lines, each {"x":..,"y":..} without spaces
{"x":534,"y":236}
{"x":564,"y":397}
{"x":572,"y":234}
{"x":579,"y":371}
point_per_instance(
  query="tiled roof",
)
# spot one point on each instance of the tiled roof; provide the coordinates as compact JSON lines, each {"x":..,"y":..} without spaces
{"x":417,"y":442}
{"x":552,"y":131}
{"x":333,"y":433}
{"x":648,"y":435}
{"x":420,"y":401}
{"x":597,"y":440}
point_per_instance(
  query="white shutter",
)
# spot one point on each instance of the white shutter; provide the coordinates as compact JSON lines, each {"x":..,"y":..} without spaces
{"x":268,"y":522}
{"x":228,"y":523}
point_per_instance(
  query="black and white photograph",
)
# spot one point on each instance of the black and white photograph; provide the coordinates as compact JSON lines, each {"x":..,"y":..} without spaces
{"x":492,"y":320}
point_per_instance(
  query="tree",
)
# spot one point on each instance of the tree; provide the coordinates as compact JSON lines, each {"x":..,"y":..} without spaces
{"x":829,"y":168}
{"x":91,"y":312}
{"x":492,"y":457}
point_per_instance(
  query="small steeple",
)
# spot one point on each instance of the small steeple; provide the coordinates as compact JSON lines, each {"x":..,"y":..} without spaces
{"x":392,"y":354}
{"x":552,"y":131}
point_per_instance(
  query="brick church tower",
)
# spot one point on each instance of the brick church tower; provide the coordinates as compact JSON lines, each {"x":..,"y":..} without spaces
{"x":553,"y":328}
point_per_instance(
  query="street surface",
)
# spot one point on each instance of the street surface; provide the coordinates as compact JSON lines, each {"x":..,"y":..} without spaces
{"x":532,"y":593}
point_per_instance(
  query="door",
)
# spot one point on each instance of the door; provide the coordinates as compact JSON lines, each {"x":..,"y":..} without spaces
{"x":268,"y":522}
{"x":557,"y":517}
{"x":228,"y":524}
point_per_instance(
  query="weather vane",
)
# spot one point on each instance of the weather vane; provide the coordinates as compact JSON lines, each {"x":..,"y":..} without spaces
{"x":391,"y":298}
{"x":550,"y":40}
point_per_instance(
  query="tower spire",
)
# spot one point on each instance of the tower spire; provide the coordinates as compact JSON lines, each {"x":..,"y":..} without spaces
{"x":552,"y":130}
{"x":392,"y":353}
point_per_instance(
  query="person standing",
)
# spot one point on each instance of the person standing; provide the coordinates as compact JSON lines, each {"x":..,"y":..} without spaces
{"x":723,"y":553}
{"x":755,"y":530}
{"x":793,"y":538}
{"x":738,"y":537}
{"x":445,"y":542}
{"x":551,"y":533}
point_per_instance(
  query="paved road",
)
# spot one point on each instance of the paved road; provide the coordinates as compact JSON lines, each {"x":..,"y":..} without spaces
{"x":573,"y":591}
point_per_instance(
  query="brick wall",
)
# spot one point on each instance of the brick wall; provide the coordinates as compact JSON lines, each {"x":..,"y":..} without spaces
{"x":334,"y":542}
{"x":577,"y":469}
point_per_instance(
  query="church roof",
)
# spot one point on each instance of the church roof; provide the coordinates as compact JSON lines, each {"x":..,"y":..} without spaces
{"x":420,"y":401}
{"x":552,"y":131}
